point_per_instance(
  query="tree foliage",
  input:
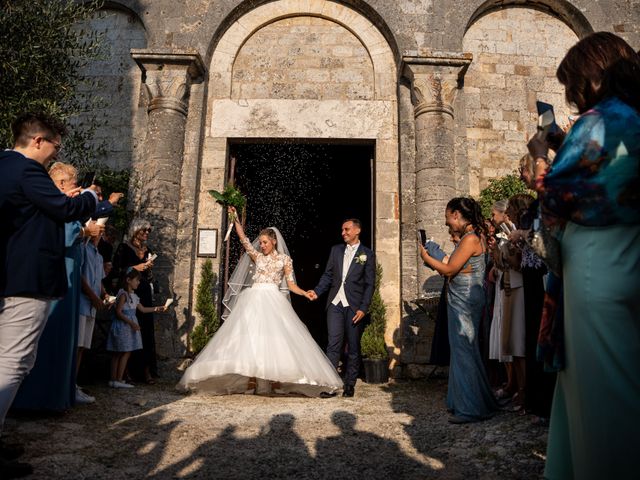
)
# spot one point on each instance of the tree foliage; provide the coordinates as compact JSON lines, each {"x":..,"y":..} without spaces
{"x":206,"y":308}
{"x":372,"y":344}
{"x":500,"y":189}
{"x":43,"y":54}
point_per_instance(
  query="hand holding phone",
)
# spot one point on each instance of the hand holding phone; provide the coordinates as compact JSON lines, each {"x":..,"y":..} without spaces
{"x":422,"y":237}
{"x":87,"y":179}
{"x":546,"y":120}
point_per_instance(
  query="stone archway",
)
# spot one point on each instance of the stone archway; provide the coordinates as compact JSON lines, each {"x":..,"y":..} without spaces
{"x":366,"y":112}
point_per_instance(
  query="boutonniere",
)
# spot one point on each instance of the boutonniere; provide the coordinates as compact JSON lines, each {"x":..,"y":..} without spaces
{"x":361,"y":259}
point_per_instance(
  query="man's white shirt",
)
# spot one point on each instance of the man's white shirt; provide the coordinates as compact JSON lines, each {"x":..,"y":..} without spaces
{"x":349,"y":253}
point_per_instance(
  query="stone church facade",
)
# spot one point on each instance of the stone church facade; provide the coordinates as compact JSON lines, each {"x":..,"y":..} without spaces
{"x":444,"y":91}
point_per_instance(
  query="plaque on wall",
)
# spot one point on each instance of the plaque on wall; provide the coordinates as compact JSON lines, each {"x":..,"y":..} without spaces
{"x":207,"y":242}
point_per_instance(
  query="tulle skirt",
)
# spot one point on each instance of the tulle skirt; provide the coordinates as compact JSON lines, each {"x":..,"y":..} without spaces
{"x":262,"y":338}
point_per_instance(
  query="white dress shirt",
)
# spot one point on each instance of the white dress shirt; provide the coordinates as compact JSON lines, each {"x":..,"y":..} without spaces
{"x":349,"y":253}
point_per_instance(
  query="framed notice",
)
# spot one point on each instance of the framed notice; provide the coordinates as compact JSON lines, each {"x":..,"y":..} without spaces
{"x":207,"y":242}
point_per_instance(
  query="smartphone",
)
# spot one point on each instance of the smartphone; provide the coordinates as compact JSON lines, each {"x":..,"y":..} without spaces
{"x":87,"y":179}
{"x":546,"y":119}
{"x":422,"y":237}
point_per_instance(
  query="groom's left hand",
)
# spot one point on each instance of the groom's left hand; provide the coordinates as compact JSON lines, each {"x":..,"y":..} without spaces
{"x":358,"y":316}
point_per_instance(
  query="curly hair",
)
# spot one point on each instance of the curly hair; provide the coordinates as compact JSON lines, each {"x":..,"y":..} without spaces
{"x":470,"y":210}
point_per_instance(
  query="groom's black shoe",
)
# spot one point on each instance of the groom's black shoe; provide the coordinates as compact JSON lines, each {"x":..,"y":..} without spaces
{"x":348,"y":391}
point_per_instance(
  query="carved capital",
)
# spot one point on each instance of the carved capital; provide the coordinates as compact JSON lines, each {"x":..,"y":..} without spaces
{"x":435,"y":80}
{"x":168,"y":76}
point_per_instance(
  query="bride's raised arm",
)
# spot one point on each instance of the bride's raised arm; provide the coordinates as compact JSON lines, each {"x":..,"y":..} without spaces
{"x":246,"y":243}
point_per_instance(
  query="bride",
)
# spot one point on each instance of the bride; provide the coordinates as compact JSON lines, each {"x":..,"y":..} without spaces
{"x":262,"y":346}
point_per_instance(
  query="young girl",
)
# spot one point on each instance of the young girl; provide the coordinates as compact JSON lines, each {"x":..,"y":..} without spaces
{"x":124,"y":335}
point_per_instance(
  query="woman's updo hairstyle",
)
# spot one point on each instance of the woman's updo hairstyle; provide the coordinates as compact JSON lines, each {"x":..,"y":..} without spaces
{"x":269,"y":232}
{"x":470,"y":210}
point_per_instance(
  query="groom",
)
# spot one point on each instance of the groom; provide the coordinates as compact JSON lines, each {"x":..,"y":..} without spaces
{"x":349,"y":277}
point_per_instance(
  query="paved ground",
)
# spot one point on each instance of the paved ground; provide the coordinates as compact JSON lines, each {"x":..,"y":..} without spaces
{"x":395,"y":431}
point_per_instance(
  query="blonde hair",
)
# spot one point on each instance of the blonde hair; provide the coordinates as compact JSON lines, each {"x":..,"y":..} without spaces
{"x":527,"y":164}
{"x":61,"y":170}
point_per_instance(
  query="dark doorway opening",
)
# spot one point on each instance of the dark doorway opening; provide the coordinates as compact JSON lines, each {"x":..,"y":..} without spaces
{"x":305,"y":189}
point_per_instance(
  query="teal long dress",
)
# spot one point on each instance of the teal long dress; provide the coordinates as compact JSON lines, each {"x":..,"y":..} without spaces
{"x":594,"y":187}
{"x":51,"y":384}
{"x":469,"y":394}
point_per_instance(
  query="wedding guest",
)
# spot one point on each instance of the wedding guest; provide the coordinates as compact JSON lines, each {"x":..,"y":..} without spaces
{"x":502,"y":276}
{"x":32,"y":214}
{"x":136,"y":253}
{"x":51,"y":383}
{"x":91,"y":301}
{"x":590,"y":194}
{"x":469,"y":397}
{"x":540,"y":384}
{"x":124,"y":334}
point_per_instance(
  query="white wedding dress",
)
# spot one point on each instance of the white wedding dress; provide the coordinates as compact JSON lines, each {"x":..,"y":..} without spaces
{"x":262,"y":338}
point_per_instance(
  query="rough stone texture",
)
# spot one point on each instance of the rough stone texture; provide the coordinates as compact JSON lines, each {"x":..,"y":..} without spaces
{"x":303,"y":58}
{"x":516,"y":52}
{"x":119,"y":82}
{"x":398,"y":430}
{"x":328,"y":69}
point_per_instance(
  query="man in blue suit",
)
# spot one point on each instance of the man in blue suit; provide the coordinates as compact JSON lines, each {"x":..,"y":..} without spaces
{"x":33,"y":212}
{"x":350,"y":280}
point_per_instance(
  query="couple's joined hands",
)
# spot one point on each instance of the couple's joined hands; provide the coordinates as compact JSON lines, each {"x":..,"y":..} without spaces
{"x":311,"y":295}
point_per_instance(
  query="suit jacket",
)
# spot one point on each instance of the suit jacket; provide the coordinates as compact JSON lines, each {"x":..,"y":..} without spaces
{"x":33,"y":212}
{"x":359,"y":282}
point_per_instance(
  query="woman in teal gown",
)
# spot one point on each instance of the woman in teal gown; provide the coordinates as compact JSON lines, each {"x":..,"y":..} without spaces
{"x":469,"y":396}
{"x":591,"y":196}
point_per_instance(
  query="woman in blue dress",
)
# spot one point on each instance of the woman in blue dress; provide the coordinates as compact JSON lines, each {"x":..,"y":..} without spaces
{"x":469,"y":396}
{"x":591,"y":197}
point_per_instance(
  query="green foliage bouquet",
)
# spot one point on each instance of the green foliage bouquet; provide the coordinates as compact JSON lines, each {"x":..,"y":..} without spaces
{"x":230,"y":197}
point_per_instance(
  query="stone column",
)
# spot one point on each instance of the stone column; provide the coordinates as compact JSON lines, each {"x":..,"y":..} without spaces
{"x":435,"y":80}
{"x":167,"y":76}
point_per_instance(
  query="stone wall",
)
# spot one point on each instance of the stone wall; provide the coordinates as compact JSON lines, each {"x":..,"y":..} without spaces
{"x":515,"y":55}
{"x":118,"y":78}
{"x":304,"y":58}
{"x":330,"y":69}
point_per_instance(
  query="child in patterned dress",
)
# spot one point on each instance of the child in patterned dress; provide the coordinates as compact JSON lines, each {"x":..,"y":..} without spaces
{"x":124,"y":335}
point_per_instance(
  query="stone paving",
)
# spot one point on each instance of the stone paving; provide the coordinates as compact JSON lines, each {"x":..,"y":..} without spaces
{"x":398,"y":430}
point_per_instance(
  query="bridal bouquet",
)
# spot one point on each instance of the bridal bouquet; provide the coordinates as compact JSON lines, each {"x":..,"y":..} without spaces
{"x":230,"y":197}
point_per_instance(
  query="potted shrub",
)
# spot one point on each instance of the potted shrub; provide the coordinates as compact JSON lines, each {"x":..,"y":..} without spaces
{"x":373,"y":347}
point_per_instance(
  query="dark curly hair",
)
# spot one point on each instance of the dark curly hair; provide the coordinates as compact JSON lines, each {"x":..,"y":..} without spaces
{"x":471,"y":211}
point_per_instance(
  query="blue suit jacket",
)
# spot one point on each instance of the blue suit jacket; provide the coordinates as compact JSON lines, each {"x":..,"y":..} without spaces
{"x":33,"y":212}
{"x":359,"y":282}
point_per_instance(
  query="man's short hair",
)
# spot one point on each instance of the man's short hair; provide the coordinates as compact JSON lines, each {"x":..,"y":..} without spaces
{"x":356,"y":222}
{"x":28,"y":125}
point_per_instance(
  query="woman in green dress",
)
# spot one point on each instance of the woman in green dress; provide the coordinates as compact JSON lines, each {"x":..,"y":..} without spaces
{"x":591,"y":196}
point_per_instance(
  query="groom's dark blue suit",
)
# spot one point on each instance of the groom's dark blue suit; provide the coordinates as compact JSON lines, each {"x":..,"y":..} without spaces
{"x":359,"y":284}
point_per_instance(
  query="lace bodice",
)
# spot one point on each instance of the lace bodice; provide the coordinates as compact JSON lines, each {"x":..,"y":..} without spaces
{"x":269,"y":268}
